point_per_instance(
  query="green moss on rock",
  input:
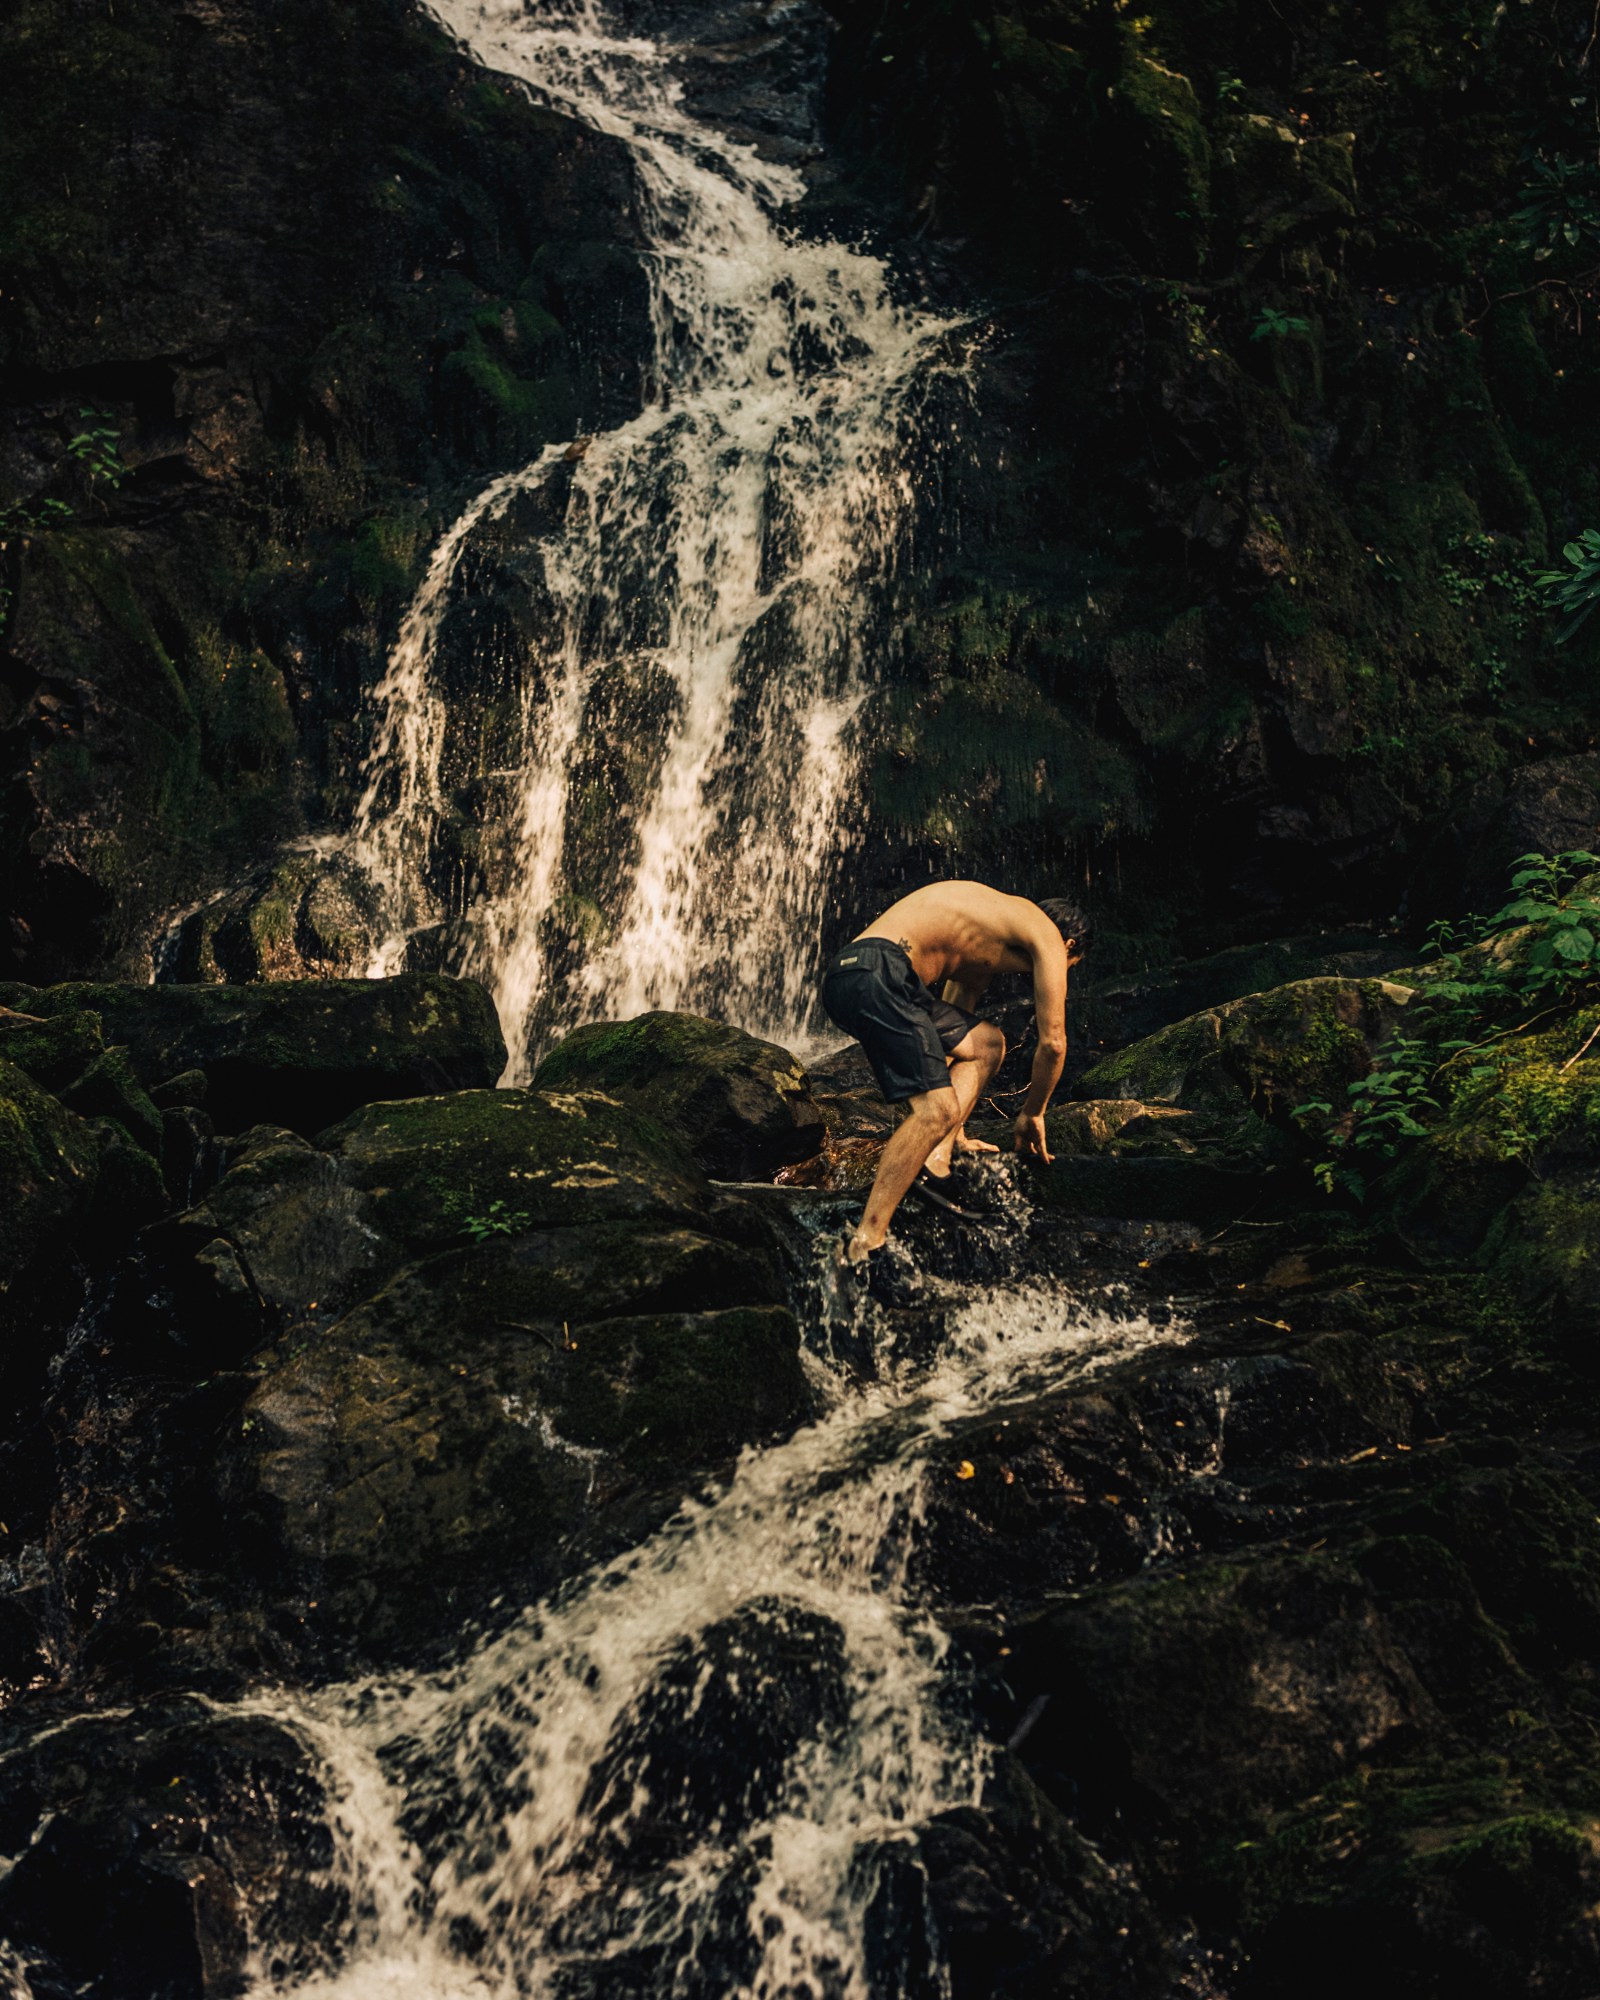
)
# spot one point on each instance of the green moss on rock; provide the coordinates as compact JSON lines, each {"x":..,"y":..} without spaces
{"x":552,"y":1158}
{"x":300,"y":1053}
{"x":742,"y":1106}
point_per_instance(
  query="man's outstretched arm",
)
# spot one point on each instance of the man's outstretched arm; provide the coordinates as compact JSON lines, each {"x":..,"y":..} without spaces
{"x":1050,"y":1011}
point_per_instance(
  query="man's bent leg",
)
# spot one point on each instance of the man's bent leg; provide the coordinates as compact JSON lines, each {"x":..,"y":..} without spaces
{"x":932,"y":1116}
{"x":973,"y":1062}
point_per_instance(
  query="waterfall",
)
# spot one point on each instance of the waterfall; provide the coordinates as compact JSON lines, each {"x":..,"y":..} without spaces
{"x":701,"y":1771}
{"x":714,"y":581}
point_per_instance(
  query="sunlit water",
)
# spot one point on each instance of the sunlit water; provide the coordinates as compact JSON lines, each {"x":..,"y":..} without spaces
{"x":722,"y":570}
{"x":537,"y":1819}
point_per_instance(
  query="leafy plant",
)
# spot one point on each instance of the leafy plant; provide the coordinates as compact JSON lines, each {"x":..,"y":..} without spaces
{"x":31,"y":516}
{"x":1562,"y":206}
{"x":1540,"y":951}
{"x":98,"y":449}
{"x":1575,"y":591}
{"x":1276,"y":325}
{"x":496,"y":1220}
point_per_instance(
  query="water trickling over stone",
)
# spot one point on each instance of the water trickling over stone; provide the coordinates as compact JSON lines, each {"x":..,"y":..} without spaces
{"x":712,"y":586}
{"x":703,"y":1769}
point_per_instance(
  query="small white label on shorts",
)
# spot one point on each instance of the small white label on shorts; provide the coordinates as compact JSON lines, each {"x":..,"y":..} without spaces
{"x":847,"y":961}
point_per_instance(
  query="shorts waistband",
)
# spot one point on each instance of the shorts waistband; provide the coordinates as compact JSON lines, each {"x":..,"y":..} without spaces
{"x":859,"y":948}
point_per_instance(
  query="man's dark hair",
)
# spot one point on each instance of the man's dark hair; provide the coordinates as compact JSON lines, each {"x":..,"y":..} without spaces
{"x":1069,"y":920}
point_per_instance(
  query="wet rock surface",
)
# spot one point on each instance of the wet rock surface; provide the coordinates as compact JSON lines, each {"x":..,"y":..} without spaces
{"x":1271,"y":1574}
{"x":745,"y":1107}
{"x":299,"y":1052}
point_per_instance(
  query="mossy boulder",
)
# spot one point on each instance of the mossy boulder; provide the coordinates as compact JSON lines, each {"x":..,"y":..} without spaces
{"x":1120,"y":1157}
{"x":1508,"y":1172}
{"x":305,"y":916}
{"x":490,"y":1328}
{"x":1247,"y":1065}
{"x":439,"y":1170}
{"x":742,"y":1106}
{"x":68,"y":1056}
{"x":300,"y":1053}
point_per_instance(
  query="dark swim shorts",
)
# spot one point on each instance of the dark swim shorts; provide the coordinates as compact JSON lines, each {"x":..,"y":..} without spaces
{"x":871,"y":990}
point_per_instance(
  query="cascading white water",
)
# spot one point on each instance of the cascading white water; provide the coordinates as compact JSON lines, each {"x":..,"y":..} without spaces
{"x":726,"y":560}
{"x":531,"y":1822}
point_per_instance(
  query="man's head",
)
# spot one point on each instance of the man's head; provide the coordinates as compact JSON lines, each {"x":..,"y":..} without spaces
{"x":1072,"y":923}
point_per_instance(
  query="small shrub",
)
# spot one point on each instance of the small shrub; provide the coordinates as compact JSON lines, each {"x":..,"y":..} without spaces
{"x":1538,"y":955}
{"x":496,"y":1220}
{"x":1575,"y":591}
{"x":1276,"y":325}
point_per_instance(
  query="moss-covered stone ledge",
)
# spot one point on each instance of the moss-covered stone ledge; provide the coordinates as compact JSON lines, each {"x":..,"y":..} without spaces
{"x":743,"y":1106}
{"x":300,"y":1053}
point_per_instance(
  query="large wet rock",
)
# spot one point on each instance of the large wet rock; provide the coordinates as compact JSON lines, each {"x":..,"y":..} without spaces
{"x":744,"y":1107}
{"x":300,"y":1053}
{"x":1245,"y":1067}
{"x":156,"y":1852}
{"x":439,"y":1358}
{"x":1238,"y":1073}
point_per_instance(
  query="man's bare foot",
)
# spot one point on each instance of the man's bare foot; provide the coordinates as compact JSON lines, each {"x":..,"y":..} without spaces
{"x":859,"y":1246}
{"x":966,"y":1145}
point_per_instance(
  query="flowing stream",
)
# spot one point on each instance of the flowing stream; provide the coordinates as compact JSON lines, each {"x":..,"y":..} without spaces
{"x":714,"y":583}
{"x":701,"y":1770}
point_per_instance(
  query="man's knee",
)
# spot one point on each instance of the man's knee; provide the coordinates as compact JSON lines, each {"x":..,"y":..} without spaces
{"x":993,"y":1046}
{"x":935,"y":1113}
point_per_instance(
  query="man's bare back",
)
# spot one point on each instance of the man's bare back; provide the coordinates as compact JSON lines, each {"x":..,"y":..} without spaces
{"x":966,"y":932}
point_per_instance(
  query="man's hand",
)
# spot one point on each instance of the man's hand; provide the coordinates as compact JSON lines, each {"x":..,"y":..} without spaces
{"x":1030,"y":1137}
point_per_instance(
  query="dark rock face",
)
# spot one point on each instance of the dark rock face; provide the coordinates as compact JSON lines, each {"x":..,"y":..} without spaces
{"x":1549,"y":807}
{"x":157,"y":1844}
{"x":1244,"y":301}
{"x":744,"y":1106}
{"x":459,"y":1340}
{"x":301,"y":1053}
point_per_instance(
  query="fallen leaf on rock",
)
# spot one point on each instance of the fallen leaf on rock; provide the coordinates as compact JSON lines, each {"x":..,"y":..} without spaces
{"x":966,"y":1469}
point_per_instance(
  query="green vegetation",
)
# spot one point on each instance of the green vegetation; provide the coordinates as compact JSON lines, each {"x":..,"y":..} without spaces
{"x":1277,"y":325}
{"x":1561,"y":206}
{"x":1472,"y":1055}
{"x":498,"y":1219}
{"x":1576,"y":590}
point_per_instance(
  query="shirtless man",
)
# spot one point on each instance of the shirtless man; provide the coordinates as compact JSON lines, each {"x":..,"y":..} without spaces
{"x":933,"y":1054}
